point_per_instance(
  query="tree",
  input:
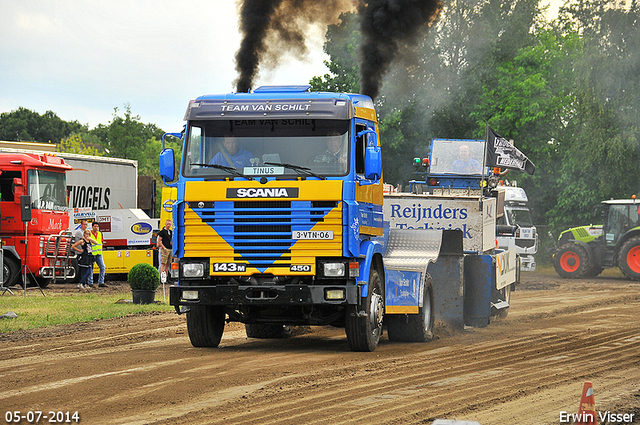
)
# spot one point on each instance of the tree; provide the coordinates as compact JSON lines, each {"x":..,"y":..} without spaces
{"x":75,"y":144}
{"x":342,"y":45}
{"x":26,"y":125}
{"x":126,"y":137}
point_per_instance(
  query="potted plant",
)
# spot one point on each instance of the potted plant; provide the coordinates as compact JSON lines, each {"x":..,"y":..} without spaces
{"x":144,"y":280}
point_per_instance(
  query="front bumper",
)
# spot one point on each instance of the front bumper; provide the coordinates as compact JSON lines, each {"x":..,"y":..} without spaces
{"x":527,"y":263}
{"x":262,"y":295}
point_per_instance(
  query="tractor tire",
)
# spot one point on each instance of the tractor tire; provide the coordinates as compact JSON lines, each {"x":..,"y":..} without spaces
{"x":414,"y":327}
{"x":594,"y":271}
{"x":571,"y":261}
{"x":259,"y":330}
{"x":205,"y":325}
{"x":364,"y":329}
{"x":629,"y":258}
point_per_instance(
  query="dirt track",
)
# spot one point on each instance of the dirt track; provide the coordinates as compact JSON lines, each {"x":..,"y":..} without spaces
{"x":523,"y":370}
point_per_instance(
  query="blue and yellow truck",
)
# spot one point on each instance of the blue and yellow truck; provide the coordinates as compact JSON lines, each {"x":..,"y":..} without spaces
{"x":278,"y":221}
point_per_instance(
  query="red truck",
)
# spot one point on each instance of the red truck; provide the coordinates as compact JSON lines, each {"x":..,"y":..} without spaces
{"x":33,"y":209}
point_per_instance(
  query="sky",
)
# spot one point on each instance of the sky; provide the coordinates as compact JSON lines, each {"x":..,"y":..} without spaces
{"x":82,"y":58}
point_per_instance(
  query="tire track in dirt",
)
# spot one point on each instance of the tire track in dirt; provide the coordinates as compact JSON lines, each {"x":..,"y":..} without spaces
{"x":144,"y":370}
{"x":478,"y":350}
{"x":467,"y":371}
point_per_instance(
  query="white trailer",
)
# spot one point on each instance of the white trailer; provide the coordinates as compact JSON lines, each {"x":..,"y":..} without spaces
{"x":96,"y":182}
{"x":101,"y":183}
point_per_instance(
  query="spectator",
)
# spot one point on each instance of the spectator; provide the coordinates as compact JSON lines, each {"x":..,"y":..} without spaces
{"x":166,"y":249}
{"x":85,"y":259}
{"x":78,"y":233}
{"x":96,"y":241}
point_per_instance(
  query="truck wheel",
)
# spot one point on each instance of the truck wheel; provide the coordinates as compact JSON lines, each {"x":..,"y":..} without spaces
{"x":41,"y":282}
{"x":259,"y":330}
{"x":571,"y":261}
{"x":364,"y":329}
{"x":205,"y":325}
{"x":10,"y":271}
{"x":414,"y":327}
{"x":629,"y":258}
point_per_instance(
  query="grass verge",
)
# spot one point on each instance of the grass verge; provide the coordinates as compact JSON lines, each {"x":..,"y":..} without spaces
{"x":36,"y":311}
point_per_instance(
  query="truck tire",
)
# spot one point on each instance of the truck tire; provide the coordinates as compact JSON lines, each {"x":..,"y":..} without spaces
{"x":260,"y":330}
{"x":414,"y":327}
{"x":41,"y":282}
{"x":205,"y":325}
{"x":629,"y":258}
{"x":364,"y":329}
{"x":571,"y":261}
{"x":10,"y":271}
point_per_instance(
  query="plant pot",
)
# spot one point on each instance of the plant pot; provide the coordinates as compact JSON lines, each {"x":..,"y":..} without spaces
{"x":143,"y":296}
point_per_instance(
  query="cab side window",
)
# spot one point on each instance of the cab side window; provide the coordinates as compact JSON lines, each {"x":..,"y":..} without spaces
{"x":361,"y":144}
{"x":6,"y":185}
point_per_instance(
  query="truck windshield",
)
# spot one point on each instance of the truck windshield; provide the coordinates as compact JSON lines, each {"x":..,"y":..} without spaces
{"x":48,"y":190}
{"x":518,"y":216}
{"x":456,"y":157}
{"x":267,"y":147}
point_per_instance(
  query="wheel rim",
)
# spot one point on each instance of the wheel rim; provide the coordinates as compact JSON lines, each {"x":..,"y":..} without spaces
{"x":633,"y":259}
{"x":569,"y":261}
{"x":376,"y":312}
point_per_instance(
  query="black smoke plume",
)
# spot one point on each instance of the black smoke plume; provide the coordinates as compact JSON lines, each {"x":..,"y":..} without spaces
{"x":255,"y":19}
{"x":386,"y":25}
{"x":270,"y":28}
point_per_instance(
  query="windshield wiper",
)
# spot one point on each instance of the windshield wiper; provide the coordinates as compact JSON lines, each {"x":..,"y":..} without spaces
{"x":302,"y":171}
{"x":229,"y":170}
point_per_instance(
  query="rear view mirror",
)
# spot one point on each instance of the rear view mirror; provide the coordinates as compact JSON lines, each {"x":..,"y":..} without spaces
{"x":167,"y":165}
{"x":372,"y":163}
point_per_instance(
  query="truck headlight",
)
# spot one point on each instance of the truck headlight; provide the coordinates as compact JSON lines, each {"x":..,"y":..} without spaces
{"x":193,"y":270}
{"x":334,"y":269}
{"x":190,"y":295}
{"x":334,"y":294}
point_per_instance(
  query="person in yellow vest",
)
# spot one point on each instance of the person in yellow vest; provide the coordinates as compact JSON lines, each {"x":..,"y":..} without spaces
{"x":96,"y":242}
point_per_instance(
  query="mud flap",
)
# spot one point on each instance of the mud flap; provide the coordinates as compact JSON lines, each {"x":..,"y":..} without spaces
{"x":448,"y":280}
{"x":479,"y":274}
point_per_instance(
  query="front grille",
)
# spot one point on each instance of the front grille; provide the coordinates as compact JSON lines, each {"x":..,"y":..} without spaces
{"x":525,"y":243}
{"x":260,"y":232}
{"x":581,"y":233}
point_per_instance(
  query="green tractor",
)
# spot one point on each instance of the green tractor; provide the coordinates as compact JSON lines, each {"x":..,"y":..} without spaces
{"x":586,"y":251}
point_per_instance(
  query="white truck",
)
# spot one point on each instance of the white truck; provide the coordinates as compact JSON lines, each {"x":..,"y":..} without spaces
{"x":515,"y":228}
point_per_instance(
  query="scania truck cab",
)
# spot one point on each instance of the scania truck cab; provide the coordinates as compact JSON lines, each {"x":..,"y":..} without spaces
{"x":279,"y":199}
